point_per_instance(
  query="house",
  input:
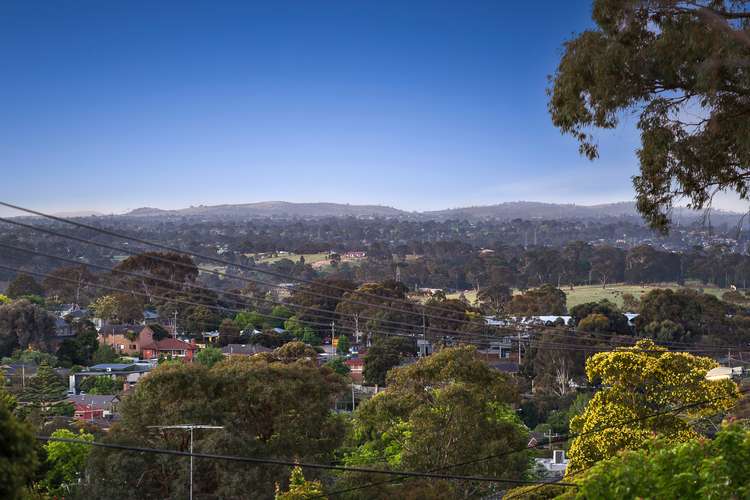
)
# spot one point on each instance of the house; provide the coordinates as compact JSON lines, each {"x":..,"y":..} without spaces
{"x":244,"y":349}
{"x":73,"y":312}
{"x":355,"y":255}
{"x":210,"y":337}
{"x":424,"y":348}
{"x":63,"y":329}
{"x":128,"y":373}
{"x":553,"y":467}
{"x":128,"y":339}
{"x":89,"y":407}
{"x":356,"y":365}
{"x":169,"y":347}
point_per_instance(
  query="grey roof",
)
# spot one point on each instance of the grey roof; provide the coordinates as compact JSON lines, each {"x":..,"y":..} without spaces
{"x":246,"y":349}
{"x":111,"y":366}
{"x":96,"y":401}
{"x":117,"y":329}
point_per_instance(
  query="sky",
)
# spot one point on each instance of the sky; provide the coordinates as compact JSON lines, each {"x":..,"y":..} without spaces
{"x":111,"y":106}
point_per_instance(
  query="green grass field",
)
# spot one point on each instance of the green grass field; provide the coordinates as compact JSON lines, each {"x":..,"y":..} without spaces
{"x":613,"y":293}
{"x":595,"y":293}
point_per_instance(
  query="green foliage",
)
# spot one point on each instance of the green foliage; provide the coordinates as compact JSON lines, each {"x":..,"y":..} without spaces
{"x":281,"y":314}
{"x":539,"y":301}
{"x":310,"y":337}
{"x":249,"y":319}
{"x":639,"y":382}
{"x":696,"y":469}
{"x":80,"y":349}
{"x":663,"y":60}
{"x":595,"y":322}
{"x":344,"y":344}
{"x":46,"y":392}
{"x":23,"y":324}
{"x":30,"y":356}
{"x":65,"y":463}
{"x":209,"y":356}
{"x":380,"y":358}
{"x":445,"y":409}
{"x":686,"y":315}
{"x":300,"y":488}
{"x":338,"y":366}
{"x":101,"y":384}
{"x":18,"y":458}
{"x":268,"y":407}
{"x":104,"y":354}
{"x":24,"y":285}
{"x":105,"y":307}
{"x":4,"y":299}
{"x":613,"y":321}
{"x":203,"y":319}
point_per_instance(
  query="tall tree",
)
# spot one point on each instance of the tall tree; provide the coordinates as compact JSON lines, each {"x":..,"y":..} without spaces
{"x":22,"y":325}
{"x":23,"y":285}
{"x":710,"y":467}
{"x":70,"y":284}
{"x":682,"y":65}
{"x":45,"y":392}
{"x":448,"y":408}
{"x":65,"y":463}
{"x":276,"y":405}
{"x":18,"y":458}
{"x":639,"y":382}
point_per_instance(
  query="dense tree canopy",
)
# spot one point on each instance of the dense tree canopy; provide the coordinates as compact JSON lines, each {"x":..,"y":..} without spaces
{"x":23,"y":285}
{"x":17,"y":455}
{"x":445,"y":409}
{"x":639,"y":382}
{"x":697,"y":469}
{"x":23,"y":324}
{"x":270,"y":406}
{"x":682,"y":66}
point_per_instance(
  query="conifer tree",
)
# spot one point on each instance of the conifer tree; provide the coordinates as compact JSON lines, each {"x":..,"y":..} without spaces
{"x":46,"y":392}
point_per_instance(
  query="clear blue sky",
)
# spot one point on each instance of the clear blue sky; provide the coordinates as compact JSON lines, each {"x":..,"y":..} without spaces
{"x":419,"y":105}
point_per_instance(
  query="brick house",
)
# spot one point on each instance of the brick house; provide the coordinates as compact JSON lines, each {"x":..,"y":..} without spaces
{"x":89,"y":407}
{"x":169,"y":347}
{"x":126,"y":339}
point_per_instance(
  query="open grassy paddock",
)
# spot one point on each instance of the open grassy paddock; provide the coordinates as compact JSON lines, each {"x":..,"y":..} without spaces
{"x":614,"y":292}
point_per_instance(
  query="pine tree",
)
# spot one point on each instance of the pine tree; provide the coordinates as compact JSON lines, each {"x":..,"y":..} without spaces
{"x":46,"y":392}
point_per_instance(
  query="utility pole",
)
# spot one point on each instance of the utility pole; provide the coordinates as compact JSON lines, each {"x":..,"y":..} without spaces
{"x":519,"y":350}
{"x":356,"y":327}
{"x":333,"y":337}
{"x":174,"y":332}
{"x":549,"y":437}
{"x":191,"y":428}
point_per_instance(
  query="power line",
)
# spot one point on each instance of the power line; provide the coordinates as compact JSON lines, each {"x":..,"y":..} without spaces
{"x":307,"y":308}
{"x":201,"y":256}
{"x":289,"y":463}
{"x":244,"y":278}
{"x":463,"y":337}
{"x":112,"y":233}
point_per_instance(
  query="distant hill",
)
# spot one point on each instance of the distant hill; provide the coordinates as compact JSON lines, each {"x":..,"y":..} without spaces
{"x":502,"y":211}
{"x":277,"y":209}
{"x":78,"y":213}
{"x":537,"y":210}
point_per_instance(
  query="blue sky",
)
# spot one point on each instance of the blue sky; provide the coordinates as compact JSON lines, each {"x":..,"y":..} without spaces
{"x":418,"y":105}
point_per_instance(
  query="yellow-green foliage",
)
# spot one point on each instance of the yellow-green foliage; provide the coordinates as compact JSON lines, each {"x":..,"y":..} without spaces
{"x":639,"y":382}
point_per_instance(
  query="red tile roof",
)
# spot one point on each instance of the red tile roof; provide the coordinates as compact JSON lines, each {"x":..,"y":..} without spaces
{"x":170,"y":344}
